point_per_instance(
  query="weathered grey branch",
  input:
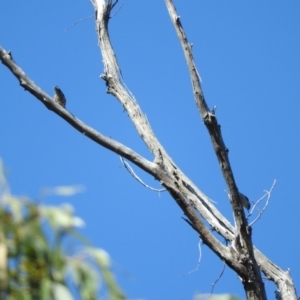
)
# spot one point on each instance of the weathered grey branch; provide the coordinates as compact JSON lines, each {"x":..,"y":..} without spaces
{"x":183,"y":193}
{"x":152,"y":168}
{"x":116,"y":87}
{"x":188,"y":196}
{"x":243,"y":243}
{"x":48,"y":101}
{"x":253,"y":283}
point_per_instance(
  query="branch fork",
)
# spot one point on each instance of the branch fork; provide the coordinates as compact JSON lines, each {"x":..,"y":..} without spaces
{"x":241,"y":255}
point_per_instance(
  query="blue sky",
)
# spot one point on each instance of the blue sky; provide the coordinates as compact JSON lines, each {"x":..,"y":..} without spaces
{"x":247,"y":54}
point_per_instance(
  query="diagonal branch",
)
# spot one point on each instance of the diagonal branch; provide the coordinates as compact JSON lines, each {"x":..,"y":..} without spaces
{"x":166,"y":167}
{"x":209,"y":119}
{"x":167,"y":172}
{"x":94,"y":135}
{"x":118,"y":89}
{"x":188,"y":196}
{"x":243,"y":236}
{"x":152,"y":168}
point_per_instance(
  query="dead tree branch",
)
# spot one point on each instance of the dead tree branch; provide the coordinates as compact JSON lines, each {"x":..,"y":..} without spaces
{"x":132,"y":173}
{"x":253,"y":283}
{"x":86,"y":130}
{"x":268,"y":195}
{"x":196,"y":206}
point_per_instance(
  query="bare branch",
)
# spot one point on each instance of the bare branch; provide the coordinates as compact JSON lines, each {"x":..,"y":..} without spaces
{"x":199,"y":260}
{"x":244,"y":244}
{"x":268,"y":195}
{"x":193,"y":202}
{"x":117,"y":10}
{"x":176,"y":188}
{"x":94,"y":135}
{"x":130,"y":170}
{"x":75,"y":23}
{"x":219,"y":277}
{"x":174,"y":185}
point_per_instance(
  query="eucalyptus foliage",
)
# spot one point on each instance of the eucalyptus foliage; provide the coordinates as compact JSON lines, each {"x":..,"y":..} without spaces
{"x":33,"y":261}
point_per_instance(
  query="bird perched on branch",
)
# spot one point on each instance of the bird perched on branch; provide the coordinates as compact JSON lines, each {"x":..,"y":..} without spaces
{"x":59,"y":97}
{"x":245,"y":201}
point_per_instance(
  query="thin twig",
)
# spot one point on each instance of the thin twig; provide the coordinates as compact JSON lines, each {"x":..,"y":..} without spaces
{"x":81,"y":20}
{"x":268,"y":195}
{"x":130,"y":170}
{"x":199,"y":260}
{"x":117,"y":11}
{"x":114,"y":4}
{"x":214,"y":283}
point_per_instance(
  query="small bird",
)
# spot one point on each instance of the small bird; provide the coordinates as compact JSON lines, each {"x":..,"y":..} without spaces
{"x":59,"y":97}
{"x":245,"y":201}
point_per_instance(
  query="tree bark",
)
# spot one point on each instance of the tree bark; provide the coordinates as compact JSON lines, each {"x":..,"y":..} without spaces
{"x":239,"y":254}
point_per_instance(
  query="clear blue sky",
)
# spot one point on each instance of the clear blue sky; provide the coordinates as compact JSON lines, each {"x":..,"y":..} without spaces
{"x":248,"y":55}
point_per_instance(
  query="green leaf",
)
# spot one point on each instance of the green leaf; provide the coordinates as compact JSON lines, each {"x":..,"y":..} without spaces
{"x":60,"y":291}
{"x":61,"y":217}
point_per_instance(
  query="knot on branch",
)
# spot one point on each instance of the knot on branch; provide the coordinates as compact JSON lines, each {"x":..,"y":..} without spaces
{"x":209,"y":118}
{"x":244,"y":258}
{"x":10,"y":55}
{"x":107,"y":78}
